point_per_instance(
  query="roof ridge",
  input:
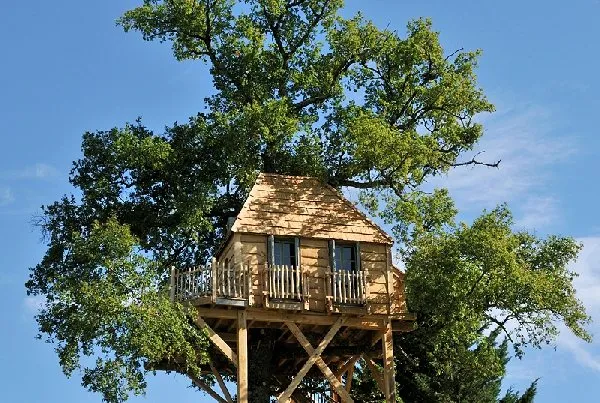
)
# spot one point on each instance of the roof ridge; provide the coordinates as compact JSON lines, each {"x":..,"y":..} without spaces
{"x":287,"y":176}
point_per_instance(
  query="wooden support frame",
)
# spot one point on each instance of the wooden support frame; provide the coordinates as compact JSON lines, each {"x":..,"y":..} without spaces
{"x":388,"y":363}
{"x":371,"y":322}
{"x":375,"y":372}
{"x":315,"y":358}
{"x":220,"y":381}
{"x":218,"y":341}
{"x":199,"y":383}
{"x":242,"y":375}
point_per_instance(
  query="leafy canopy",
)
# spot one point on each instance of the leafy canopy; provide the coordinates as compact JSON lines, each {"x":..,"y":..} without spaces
{"x":298,"y":89}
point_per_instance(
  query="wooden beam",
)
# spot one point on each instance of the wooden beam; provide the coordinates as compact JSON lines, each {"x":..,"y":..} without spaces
{"x":388,"y":363}
{"x":220,"y":381}
{"x":218,"y":341}
{"x":375,"y":372}
{"x":242,"y":378}
{"x":346,"y":367}
{"x":199,"y":383}
{"x":316,"y":353}
{"x":349,"y":377}
{"x":373,"y":322}
{"x":284,"y":397}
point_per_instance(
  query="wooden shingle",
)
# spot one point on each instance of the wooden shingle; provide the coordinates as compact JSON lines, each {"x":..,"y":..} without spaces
{"x":305,"y":207}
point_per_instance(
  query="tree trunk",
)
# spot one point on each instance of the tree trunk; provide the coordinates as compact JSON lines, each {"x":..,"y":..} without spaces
{"x":260,"y":364}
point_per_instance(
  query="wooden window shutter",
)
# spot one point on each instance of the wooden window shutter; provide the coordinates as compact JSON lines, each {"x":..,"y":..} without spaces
{"x":297,"y":246}
{"x":271,"y":250}
{"x":358,"y":263}
{"x":332,"y":255}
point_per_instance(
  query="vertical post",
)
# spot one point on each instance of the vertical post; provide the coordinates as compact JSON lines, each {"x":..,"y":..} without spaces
{"x":214,"y":279}
{"x":242,"y":342}
{"x":387,"y":344}
{"x":172,"y":290}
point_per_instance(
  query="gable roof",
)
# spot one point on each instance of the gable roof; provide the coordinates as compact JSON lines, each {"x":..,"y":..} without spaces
{"x":303,"y":206}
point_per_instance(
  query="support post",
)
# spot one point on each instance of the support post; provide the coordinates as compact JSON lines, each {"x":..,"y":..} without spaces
{"x":388,"y":363}
{"x":242,"y":375}
{"x":172,"y":289}
{"x":213,"y":267}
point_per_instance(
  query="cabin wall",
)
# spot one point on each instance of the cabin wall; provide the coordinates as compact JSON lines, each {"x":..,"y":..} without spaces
{"x":314,"y":260}
{"x":374,"y":260}
{"x":254,"y":254}
{"x":399,"y":296}
{"x":229,"y":250}
{"x":385,"y":289}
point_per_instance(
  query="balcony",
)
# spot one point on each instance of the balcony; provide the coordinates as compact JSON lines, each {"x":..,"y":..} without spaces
{"x":280,"y":286}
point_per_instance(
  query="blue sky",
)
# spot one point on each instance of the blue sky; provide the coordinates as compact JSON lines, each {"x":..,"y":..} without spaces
{"x":67,"y":69}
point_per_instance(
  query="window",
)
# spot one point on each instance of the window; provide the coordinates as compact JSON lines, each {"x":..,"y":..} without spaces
{"x":345,"y":257}
{"x":284,"y":251}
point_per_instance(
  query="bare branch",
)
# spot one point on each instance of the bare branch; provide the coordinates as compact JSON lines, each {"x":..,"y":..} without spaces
{"x":474,"y":161}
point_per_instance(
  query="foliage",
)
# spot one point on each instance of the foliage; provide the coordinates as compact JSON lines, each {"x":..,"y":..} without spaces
{"x":298,"y":90}
{"x":472,"y":286}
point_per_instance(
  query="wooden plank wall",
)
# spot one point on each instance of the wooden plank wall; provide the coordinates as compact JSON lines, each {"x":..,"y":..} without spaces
{"x":314,"y":258}
{"x":254,"y":254}
{"x":228,"y":251}
{"x":375,"y":261}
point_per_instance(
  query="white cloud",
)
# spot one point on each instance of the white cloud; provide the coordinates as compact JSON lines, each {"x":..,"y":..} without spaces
{"x":521,"y":138}
{"x":588,"y":291}
{"x":538,"y":212}
{"x":36,"y":171}
{"x":6,"y":196}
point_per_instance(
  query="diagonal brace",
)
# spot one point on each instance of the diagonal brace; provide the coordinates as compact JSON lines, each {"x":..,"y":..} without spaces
{"x":218,"y":341}
{"x":315,"y":358}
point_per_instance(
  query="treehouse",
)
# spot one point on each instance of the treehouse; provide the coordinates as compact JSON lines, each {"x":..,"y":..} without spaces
{"x":301,"y":260}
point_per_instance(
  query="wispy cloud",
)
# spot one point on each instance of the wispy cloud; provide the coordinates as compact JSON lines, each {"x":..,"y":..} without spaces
{"x":36,"y":171}
{"x":538,"y":211}
{"x":6,"y":196}
{"x":522,"y":139}
{"x":588,"y":291}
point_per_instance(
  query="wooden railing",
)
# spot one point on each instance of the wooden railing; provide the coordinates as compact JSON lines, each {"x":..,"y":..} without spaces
{"x":191,"y":283}
{"x":215,"y":280}
{"x":233,"y":281}
{"x":284,"y":282}
{"x":348,"y":287}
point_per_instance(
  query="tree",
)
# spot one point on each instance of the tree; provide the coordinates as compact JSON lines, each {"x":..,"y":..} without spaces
{"x":298,"y":90}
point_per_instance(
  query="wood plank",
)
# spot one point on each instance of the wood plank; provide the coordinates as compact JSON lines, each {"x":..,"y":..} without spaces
{"x":242,"y":378}
{"x":371,"y":322}
{"x":284,"y":397}
{"x":198,"y":382}
{"x":376,"y":373}
{"x":218,"y":341}
{"x":220,"y":381}
{"x":347,"y":365}
{"x":349,"y":377}
{"x":389,"y":381}
{"x":329,"y":375}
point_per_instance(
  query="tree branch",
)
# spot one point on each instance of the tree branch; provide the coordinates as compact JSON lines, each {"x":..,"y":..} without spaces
{"x":474,"y":161}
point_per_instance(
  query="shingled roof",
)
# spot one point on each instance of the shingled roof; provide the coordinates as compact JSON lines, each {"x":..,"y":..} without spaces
{"x":304,"y":206}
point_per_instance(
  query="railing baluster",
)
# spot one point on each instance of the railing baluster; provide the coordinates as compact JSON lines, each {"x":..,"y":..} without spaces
{"x":271,"y":282}
{"x":280,"y":280}
{"x":333,"y":281}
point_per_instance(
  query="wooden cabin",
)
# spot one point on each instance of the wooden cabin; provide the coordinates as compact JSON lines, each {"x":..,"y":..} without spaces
{"x":301,"y":257}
